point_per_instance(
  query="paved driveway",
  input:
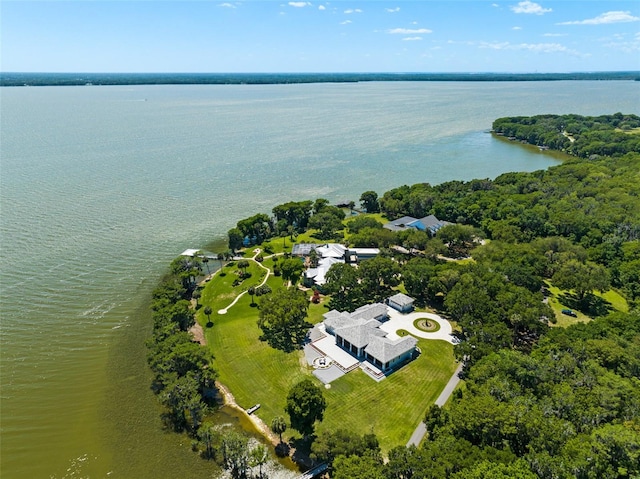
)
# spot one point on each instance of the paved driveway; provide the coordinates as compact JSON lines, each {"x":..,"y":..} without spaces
{"x":397,"y":321}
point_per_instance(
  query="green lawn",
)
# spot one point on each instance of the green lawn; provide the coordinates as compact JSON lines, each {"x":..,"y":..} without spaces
{"x":393,"y":407}
{"x":256,"y":373}
{"x":612,"y":297}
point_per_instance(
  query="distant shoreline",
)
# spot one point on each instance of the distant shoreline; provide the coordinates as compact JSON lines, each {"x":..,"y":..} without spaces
{"x":94,"y":79}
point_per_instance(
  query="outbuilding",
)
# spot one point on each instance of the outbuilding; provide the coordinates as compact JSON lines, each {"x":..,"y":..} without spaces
{"x":401,"y":302}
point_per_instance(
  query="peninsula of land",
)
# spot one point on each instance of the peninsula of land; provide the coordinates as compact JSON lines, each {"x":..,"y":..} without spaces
{"x":339,"y":325}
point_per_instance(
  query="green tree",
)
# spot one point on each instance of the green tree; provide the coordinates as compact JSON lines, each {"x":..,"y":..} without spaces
{"x":279,"y":426}
{"x":180,"y":395}
{"x":209,"y":437}
{"x":378,"y":276}
{"x":282,"y":319}
{"x":186,"y":269}
{"x":369,"y":202}
{"x":262,"y":290}
{"x":243,"y":264}
{"x":258,"y":457}
{"x":328,"y":221}
{"x":291,"y":269}
{"x":343,"y":285}
{"x":581,"y":277}
{"x":331,"y":444}
{"x":488,"y":470}
{"x":313,"y":258}
{"x":235,"y":239}
{"x":208,"y":311}
{"x":362,"y":221}
{"x":357,"y":467}
{"x":305,"y":406}
{"x":235,"y":454}
{"x":458,"y":238}
{"x":251,"y":291}
{"x":197,"y":294}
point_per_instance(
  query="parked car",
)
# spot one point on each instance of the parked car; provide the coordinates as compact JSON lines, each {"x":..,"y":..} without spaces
{"x":569,"y":312}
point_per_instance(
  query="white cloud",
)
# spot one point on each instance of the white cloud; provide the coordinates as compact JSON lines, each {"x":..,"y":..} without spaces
{"x":530,"y":8}
{"x":532,"y":47}
{"x":393,"y":10}
{"x":607,"y":17}
{"x":346,"y":22}
{"x":624,"y":44}
{"x":299,"y":4}
{"x":411,"y":39}
{"x":408,"y":31}
{"x":351,"y":10}
{"x":495,"y":5}
{"x":226,"y":5}
{"x":516,"y":28}
{"x":322,"y":7}
{"x":554,"y":35}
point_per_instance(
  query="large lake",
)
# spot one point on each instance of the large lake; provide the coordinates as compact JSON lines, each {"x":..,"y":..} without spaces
{"x":102,"y":186}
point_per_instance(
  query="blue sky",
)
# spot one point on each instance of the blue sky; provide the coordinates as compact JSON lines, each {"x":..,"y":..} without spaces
{"x":336,"y":36}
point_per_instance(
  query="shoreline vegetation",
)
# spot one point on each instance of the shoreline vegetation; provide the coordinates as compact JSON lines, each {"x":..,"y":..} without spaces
{"x":80,"y":78}
{"x":545,"y":393}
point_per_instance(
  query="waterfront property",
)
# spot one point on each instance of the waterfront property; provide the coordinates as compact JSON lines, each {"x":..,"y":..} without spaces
{"x":329,"y":254}
{"x":360,"y":335}
{"x":430,"y":224}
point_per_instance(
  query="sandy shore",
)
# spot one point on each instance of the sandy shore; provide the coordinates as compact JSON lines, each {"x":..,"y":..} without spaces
{"x":259,"y":424}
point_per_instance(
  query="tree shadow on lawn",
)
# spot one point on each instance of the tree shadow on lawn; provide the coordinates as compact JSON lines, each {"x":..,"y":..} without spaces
{"x":591,"y":305}
{"x":302,"y":450}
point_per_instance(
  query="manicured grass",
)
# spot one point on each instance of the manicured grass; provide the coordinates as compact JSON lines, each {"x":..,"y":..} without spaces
{"x":256,"y":373}
{"x":616,"y":299}
{"x":432,"y":325}
{"x":393,"y":407}
{"x":562,"y":319}
{"x":250,"y":368}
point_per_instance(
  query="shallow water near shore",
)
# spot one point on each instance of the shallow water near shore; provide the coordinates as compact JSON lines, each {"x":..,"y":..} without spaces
{"x":101,"y":187}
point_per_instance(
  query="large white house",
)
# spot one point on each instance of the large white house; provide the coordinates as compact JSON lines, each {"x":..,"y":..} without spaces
{"x":328,"y":255}
{"x":430,"y":224}
{"x":359,"y":334}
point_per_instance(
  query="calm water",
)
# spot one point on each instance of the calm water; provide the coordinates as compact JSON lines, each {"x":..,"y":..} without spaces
{"x":102,"y":186}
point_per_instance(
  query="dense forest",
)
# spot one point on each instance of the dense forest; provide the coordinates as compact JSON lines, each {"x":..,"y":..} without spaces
{"x":80,"y":78}
{"x":582,"y":136}
{"x":538,"y":400}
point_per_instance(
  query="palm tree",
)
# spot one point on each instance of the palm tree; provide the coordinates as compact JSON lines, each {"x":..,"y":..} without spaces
{"x":258,"y":457}
{"x":220,"y":258}
{"x":243,"y":264}
{"x":252,"y":292}
{"x":196,"y":295}
{"x":279,"y":426}
{"x":208,"y":311}
{"x":205,"y":260}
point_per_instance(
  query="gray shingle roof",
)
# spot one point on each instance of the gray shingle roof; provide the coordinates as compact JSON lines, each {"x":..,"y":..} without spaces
{"x":335,"y":319}
{"x":402,"y":299}
{"x":360,"y":334}
{"x":362,"y":329}
{"x":385,"y":350}
{"x":370,"y":311}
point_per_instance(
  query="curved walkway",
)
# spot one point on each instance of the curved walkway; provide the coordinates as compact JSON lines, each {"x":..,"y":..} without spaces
{"x":398,"y":321}
{"x":266,"y":277}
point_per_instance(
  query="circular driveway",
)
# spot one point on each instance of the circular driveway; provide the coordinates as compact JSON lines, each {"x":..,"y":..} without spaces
{"x":397,"y":321}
